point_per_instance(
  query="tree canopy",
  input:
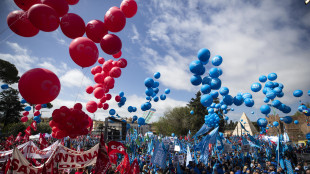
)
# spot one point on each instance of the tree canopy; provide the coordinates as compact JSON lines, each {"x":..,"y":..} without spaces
{"x":8,"y":72}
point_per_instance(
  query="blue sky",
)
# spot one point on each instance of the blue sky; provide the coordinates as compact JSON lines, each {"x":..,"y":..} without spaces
{"x":254,"y":38}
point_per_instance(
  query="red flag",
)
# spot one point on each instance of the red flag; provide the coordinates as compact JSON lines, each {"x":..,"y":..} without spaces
{"x":28,"y":130}
{"x":103,"y":162}
{"x":34,"y":125}
{"x":42,"y":142}
{"x":124,"y":166}
{"x":116,"y":147}
{"x":134,"y":168}
{"x":113,"y":158}
{"x":19,"y":137}
{"x":26,"y":138}
{"x":10,"y":138}
{"x":7,"y":167}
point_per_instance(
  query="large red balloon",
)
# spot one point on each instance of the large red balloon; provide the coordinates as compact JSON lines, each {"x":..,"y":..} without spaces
{"x":38,"y":107}
{"x":24,"y":119}
{"x":95,"y":30}
{"x":99,"y":92}
{"x":83,"y":51}
{"x":91,"y":106}
{"x":60,"y":6}
{"x":115,"y":72}
{"x":39,"y":86}
{"x":109,"y":82}
{"x":115,"y":19}
{"x":72,"y":25}
{"x":89,"y":89}
{"x":43,"y":17}
{"x":129,"y":8}
{"x":122,"y":63}
{"x":101,"y":60}
{"x":117,"y":55}
{"x":72,"y":2}
{"x":20,"y":24}
{"x":111,"y":44}
{"x":26,"y":4}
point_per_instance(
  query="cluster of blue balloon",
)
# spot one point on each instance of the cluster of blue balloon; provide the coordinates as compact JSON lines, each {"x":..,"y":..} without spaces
{"x":4,"y":86}
{"x":304,"y":109}
{"x":122,"y":100}
{"x":151,"y":92}
{"x":131,"y":109}
{"x":212,"y":120}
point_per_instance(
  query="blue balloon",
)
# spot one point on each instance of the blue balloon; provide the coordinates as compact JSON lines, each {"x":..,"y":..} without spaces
{"x":143,"y":107}
{"x":287,"y":109}
{"x":224,"y":107}
{"x":134,"y":109}
{"x":266,"y":100}
{"x":205,"y":89}
{"x":269,"y":84}
{"x":246,"y":95}
{"x":232,"y":109}
{"x":155,"y":99}
{"x":214,"y":73}
{"x":23,"y":101}
{"x":271,"y":95}
{"x":121,"y":94}
{"x":130,"y":109}
{"x":262,"y":122}
{"x":156,"y":90}
{"x":226,"y":118}
{"x":149,"y":91}
{"x":217,"y":60}
{"x":148,"y":98}
{"x":172,"y":134}
{"x":167,"y":91}
{"x":225,"y":111}
{"x":163,"y":97}
{"x":213,"y":104}
{"x":272,"y":76}
{"x":252,"y":112}
{"x":211,"y":111}
{"x":309,"y":93}
{"x":149,"y":82}
{"x":38,"y":121}
{"x":280,"y":85}
{"x":276,"y":103}
{"x":238,"y":100}
{"x":265,"y":109}
{"x":196,"y":80}
{"x":266,"y":89}
{"x":128,"y":126}
{"x":214,"y":94}
{"x":255,"y":87}
{"x":157,"y":75}
{"x":36,"y":118}
{"x":249,"y":102}
{"x":275,"y":124}
{"x":228,"y":100}
{"x":220,"y":71}
{"x":192,"y":112}
{"x":148,"y":105}
{"x":277,"y":90}
{"x":206,"y":80}
{"x":224,"y":91}
{"x":4,"y":86}
{"x":297,"y":93}
{"x":280,"y":95}
{"x":276,"y":84}
{"x":196,"y":67}
{"x":262,"y":78}
{"x":296,"y":122}
{"x":155,"y":85}
{"x":141,"y":121}
{"x":123,"y":99}
{"x":206,"y":100}
{"x":308,"y":136}
{"x":112,"y":112}
{"x":203,"y":55}
{"x":217,"y":106}
{"x":134,"y":118}
{"x":27,"y":108}
{"x":216,"y":83}
{"x":301,"y":108}
{"x":44,"y":105}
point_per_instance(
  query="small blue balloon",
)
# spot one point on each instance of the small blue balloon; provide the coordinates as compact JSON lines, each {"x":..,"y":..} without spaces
{"x":148,"y":105}
{"x":196,"y":80}
{"x":276,"y":103}
{"x":112,"y":112}
{"x":214,"y":94}
{"x":255,"y":87}
{"x":128,"y":126}
{"x":192,"y":112}
{"x":224,"y":107}
{"x":246,"y":95}
{"x":269,"y":84}
{"x":172,"y":134}
{"x":220,"y":71}
{"x":309,"y":93}
{"x":148,"y":98}
{"x":213,"y":104}
{"x":135,"y":118}
{"x":167,"y":91}
{"x":27,"y":108}
{"x":217,"y":106}
{"x":149,"y":82}
{"x":238,"y":100}
{"x":206,"y":100}
{"x":123,"y":99}
{"x":224,"y":91}
{"x":155,"y":84}
{"x":36,"y":118}
{"x":205,"y":89}
{"x":271,"y":95}
{"x":141,"y":121}
{"x":203,"y":55}
{"x":4,"y":86}
{"x":130,"y":109}
{"x":44,"y":105}
{"x":155,"y":99}
{"x":23,"y":101}
{"x":215,"y":83}
{"x":157,"y":75}
{"x":277,"y":90}
{"x":266,"y":100}
{"x":196,"y":67}
{"x":272,"y":76}
{"x":252,"y":112}
{"x":214,"y":73}
{"x":149,"y":91}
{"x":217,"y":60}
{"x":226,"y":118}
{"x":155,"y":90}
{"x":163,"y":97}
{"x":280,"y":95}
{"x":249,"y":102}
{"x":275,"y":124}
{"x":262,"y":122}
{"x":211,"y":111}
{"x":296,"y":122}
{"x":232,"y":109}
{"x":298,"y":93}
{"x":206,"y":80}
{"x":228,"y":100}
{"x":225,"y":111}
{"x":265,"y":109}
{"x":262,"y":78}
{"x":121,"y":94}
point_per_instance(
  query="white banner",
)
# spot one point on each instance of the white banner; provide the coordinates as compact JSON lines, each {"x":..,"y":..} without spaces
{"x":4,"y":155}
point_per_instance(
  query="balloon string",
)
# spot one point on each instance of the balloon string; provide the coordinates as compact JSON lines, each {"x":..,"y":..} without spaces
{"x":4,"y":30}
{"x":79,"y":89}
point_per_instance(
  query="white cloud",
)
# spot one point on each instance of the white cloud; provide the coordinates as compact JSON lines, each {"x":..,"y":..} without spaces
{"x":58,"y":37}
{"x":74,"y":78}
{"x":136,"y":36}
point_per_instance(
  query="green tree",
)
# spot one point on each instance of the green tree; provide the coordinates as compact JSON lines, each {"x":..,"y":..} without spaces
{"x":8,"y":72}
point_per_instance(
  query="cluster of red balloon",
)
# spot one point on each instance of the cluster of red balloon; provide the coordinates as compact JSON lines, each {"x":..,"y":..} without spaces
{"x":70,"y":122}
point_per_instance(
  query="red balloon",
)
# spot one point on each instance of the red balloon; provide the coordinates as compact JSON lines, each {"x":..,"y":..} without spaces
{"x":105,"y":106}
{"x":107,"y":66}
{"x":111,"y":44}
{"x":91,"y":106}
{"x":72,"y":25}
{"x":117,"y":55}
{"x":117,"y":98}
{"x":103,"y":99}
{"x":100,"y":105}
{"x":83,"y":52}
{"x":24,"y":119}
{"x":129,"y":8}
{"x":43,"y":17}
{"x":108,"y":96}
{"x":109,"y":82}
{"x":98,"y":85}
{"x":26,"y":113}
{"x":36,"y":113}
{"x":115,"y":19}
{"x":98,"y":69}
{"x":38,"y":107}
{"x":89,"y":89}
{"x":26,"y":4}
{"x":95,"y":30}
{"x":78,"y":106}
{"x":93,"y":71}
{"x":122,"y":63}
{"x":99,"y":78}
{"x":115,"y":72}
{"x":52,"y":123}
{"x":39,"y":86}
{"x":60,"y":6}
{"x":72,"y":2}
{"x":99,"y":92}
{"x":101,"y":60}
{"x":20,"y":24}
